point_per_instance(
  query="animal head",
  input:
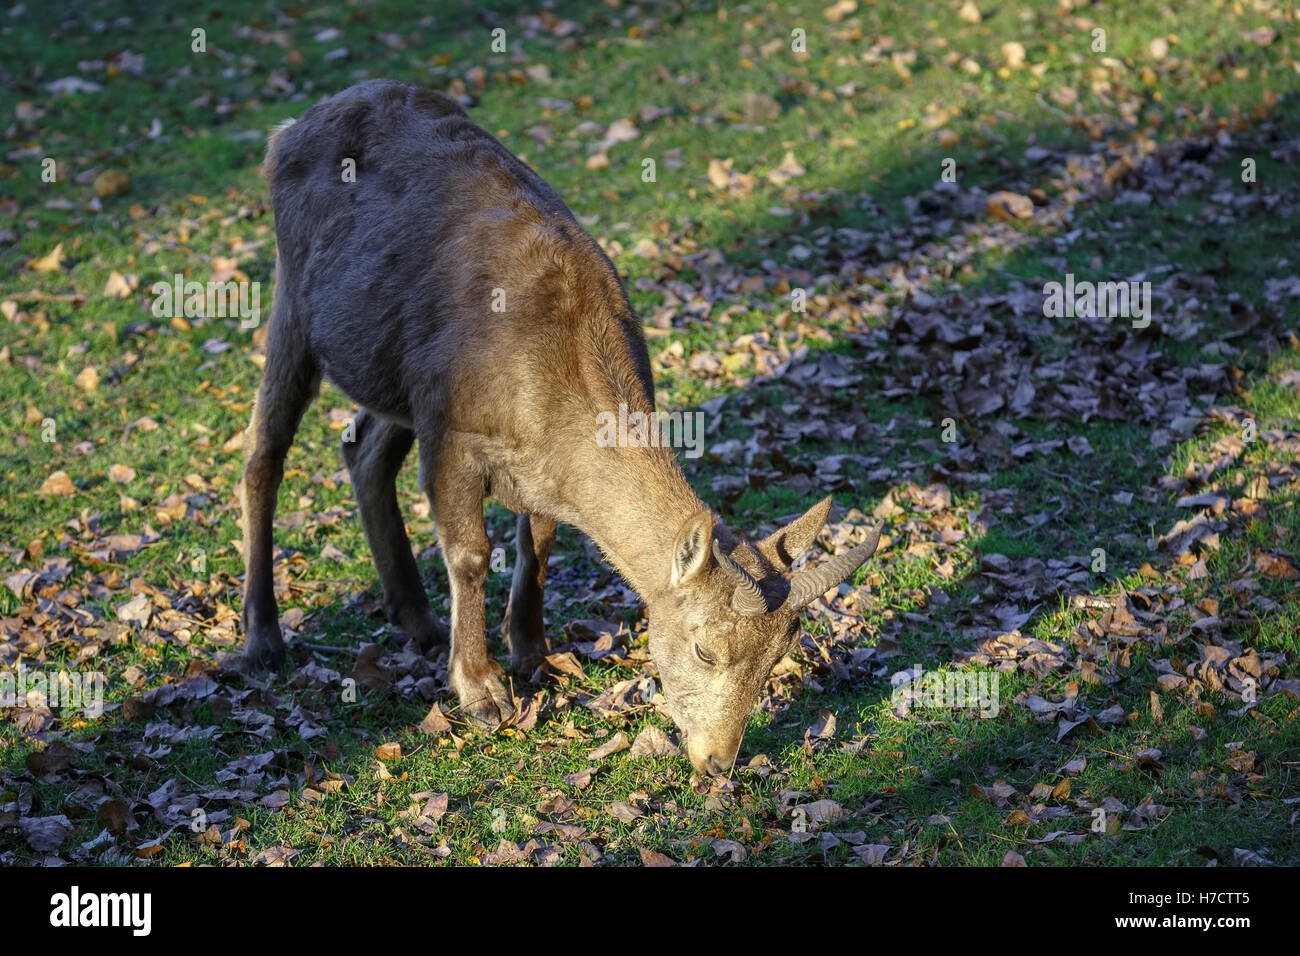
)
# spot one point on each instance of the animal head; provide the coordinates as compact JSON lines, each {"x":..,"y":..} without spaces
{"x":730,"y":613}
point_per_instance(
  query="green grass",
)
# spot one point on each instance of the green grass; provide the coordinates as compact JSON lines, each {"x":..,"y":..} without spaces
{"x":871,"y":162}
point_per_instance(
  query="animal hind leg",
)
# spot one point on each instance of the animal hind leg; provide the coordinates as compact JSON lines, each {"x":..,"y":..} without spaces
{"x":524,"y":628}
{"x":374,"y":458}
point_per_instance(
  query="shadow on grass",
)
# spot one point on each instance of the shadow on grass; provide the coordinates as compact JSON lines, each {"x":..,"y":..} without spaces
{"x":918,"y":763}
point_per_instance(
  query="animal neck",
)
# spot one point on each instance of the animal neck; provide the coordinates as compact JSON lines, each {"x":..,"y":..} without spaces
{"x":640,"y":501}
{"x":631,"y":497}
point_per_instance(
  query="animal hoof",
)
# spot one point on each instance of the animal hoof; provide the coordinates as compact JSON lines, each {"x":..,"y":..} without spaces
{"x":487,"y":705}
{"x":424,"y":628}
{"x":528,"y":647}
{"x":431,"y":632}
{"x":525,"y":666}
{"x":263,"y":648}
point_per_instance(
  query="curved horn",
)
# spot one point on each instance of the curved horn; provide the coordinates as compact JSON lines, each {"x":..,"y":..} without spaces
{"x":808,"y":585}
{"x":747,"y":600}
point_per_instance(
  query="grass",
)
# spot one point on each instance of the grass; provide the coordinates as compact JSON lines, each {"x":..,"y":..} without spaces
{"x":872,"y":159}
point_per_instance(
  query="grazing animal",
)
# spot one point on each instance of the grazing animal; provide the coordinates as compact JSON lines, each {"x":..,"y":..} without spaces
{"x":450,"y":293}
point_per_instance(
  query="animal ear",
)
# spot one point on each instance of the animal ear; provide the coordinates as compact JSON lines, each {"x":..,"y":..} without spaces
{"x":691,"y":550}
{"x":787,"y":543}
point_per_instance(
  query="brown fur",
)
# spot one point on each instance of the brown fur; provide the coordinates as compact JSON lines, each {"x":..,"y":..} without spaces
{"x":385,"y":285}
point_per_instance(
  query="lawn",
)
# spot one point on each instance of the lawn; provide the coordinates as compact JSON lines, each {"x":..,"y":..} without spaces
{"x":837,"y":224}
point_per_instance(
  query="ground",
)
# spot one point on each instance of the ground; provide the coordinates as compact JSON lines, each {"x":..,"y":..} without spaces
{"x":841,"y":248}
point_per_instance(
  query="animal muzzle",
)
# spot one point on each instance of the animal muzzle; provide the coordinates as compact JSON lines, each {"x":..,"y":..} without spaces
{"x":712,"y":755}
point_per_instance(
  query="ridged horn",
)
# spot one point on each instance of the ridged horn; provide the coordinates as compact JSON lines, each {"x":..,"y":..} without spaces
{"x":808,"y":585}
{"x":747,"y":600}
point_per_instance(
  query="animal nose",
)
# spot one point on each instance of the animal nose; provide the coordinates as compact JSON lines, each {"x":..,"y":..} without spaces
{"x":715,"y":765}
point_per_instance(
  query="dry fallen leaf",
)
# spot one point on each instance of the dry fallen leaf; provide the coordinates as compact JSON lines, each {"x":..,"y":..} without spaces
{"x":729,"y":848}
{"x":788,"y":170}
{"x":52,"y":261}
{"x":368,"y":671}
{"x":1007,"y":206}
{"x":1275,"y":567}
{"x":275,"y":856}
{"x":625,"y":812}
{"x":839,"y":10}
{"x":434,"y":721}
{"x":653,"y":742}
{"x":823,"y":727}
{"x":88,"y":379}
{"x":111,"y":183}
{"x":114,"y":817}
{"x":435,"y":808}
{"x":45,"y":833}
{"x":719,"y":174}
{"x":119,"y":286}
{"x":1243,"y":761}
{"x":136,"y":611}
{"x":579,"y":779}
{"x":389,"y":752}
{"x":822,"y":811}
{"x":57,"y":484}
{"x":615,"y":744}
{"x":55,"y":758}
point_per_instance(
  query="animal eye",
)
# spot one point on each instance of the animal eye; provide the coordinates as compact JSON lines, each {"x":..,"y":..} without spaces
{"x":704,"y":657}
